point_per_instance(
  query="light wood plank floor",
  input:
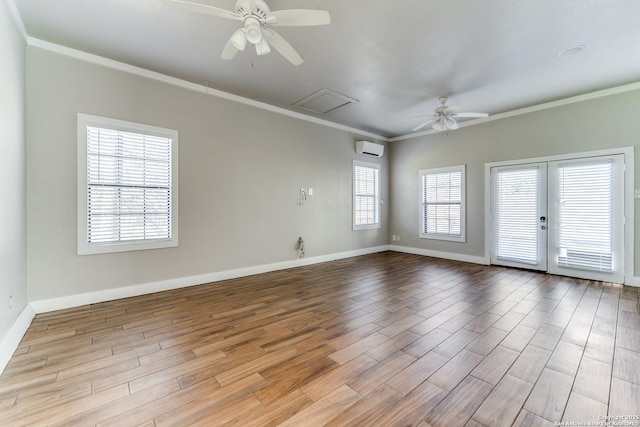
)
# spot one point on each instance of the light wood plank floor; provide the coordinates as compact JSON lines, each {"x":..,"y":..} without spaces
{"x":382,"y":340}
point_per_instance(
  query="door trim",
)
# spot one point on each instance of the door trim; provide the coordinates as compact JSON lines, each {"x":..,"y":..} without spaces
{"x":629,"y":211}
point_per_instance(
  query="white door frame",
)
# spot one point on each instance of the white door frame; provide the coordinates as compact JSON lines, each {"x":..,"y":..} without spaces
{"x":629,"y":186}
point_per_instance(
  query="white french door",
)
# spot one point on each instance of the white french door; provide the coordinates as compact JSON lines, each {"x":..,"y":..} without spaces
{"x":519,"y":211}
{"x":565,"y":217}
{"x":586,"y":201}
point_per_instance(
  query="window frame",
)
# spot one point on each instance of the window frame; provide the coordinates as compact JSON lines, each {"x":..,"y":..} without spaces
{"x":84,"y":246}
{"x":376,"y":167}
{"x":422,"y":204}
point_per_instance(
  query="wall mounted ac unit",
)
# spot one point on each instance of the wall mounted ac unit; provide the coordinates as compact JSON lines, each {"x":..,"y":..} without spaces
{"x":368,"y":148}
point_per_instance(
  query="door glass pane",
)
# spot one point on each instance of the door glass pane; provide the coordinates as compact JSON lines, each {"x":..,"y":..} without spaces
{"x":585,"y":216}
{"x":517,"y":215}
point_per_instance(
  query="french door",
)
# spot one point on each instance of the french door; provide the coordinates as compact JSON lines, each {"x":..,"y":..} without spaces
{"x":519,"y":211}
{"x":564,"y":217}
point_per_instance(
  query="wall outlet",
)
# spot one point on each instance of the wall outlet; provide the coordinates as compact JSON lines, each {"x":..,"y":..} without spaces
{"x":397,"y":238}
{"x":310,"y":191}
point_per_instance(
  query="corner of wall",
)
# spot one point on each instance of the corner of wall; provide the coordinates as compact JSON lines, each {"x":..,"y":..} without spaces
{"x":11,"y":340}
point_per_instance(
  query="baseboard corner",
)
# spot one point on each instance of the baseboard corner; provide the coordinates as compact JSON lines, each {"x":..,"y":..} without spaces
{"x":9,"y":343}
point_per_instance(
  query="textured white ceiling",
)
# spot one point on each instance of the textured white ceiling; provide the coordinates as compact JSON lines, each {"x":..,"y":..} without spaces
{"x":394,"y":57}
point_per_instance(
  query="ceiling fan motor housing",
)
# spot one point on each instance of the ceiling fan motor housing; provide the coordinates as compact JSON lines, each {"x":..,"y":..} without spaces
{"x":257,"y":9}
{"x":254,"y":14}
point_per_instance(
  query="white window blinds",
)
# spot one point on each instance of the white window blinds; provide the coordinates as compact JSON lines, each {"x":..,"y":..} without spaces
{"x":516,"y":215}
{"x":365,"y":195}
{"x":442,"y":204}
{"x":585,"y":215}
{"x":128,"y":186}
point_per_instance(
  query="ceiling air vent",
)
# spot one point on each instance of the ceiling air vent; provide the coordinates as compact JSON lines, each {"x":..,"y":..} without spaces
{"x":324,"y":101}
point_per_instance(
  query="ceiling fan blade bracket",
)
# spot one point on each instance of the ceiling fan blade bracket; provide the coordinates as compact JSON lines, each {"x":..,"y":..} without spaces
{"x":203,"y":8}
{"x":427,"y":123}
{"x":452,"y":109}
{"x":471,"y":115}
{"x":299,"y":17}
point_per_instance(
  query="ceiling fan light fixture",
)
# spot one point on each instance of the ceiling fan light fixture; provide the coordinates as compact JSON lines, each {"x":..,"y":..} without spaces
{"x":450,"y":123}
{"x":439,"y":125}
{"x":263,"y":48}
{"x":255,"y":16}
{"x":239,"y":39}
{"x":253,"y":30}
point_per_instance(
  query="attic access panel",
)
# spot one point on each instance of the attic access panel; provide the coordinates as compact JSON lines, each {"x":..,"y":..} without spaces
{"x":324,"y":102}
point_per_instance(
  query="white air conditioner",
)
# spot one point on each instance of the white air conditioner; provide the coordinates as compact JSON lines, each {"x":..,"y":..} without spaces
{"x":369,"y":148}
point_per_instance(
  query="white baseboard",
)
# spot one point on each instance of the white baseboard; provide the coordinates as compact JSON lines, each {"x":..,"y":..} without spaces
{"x":628,"y":281}
{"x":44,"y":306}
{"x":12,"y":339}
{"x":632,"y":281}
{"x":439,"y":254}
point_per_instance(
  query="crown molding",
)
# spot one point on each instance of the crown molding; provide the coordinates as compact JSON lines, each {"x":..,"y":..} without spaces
{"x":539,"y":107}
{"x":153,"y":75}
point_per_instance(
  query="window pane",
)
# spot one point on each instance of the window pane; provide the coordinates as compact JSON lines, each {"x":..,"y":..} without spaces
{"x":586,"y":216}
{"x":442,"y":194}
{"x":365,"y":198}
{"x":517,"y":215}
{"x":128,"y":186}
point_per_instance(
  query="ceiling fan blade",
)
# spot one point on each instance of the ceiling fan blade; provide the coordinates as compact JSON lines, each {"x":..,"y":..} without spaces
{"x":300,"y":17}
{"x":470,"y":115}
{"x":452,"y":109}
{"x":203,"y":8}
{"x":282,"y":46}
{"x":427,"y":123}
{"x":237,"y":42}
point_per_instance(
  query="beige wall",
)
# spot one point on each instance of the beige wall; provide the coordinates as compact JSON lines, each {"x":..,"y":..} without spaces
{"x":12,"y":173}
{"x":241,"y":170}
{"x":596,"y":124}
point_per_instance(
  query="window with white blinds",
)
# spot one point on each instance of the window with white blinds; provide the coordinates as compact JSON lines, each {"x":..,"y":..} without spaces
{"x":442,"y":203}
{"x":127,"y":180}
{"x":585,"y":215}
{"x":366,"y":195}
{"x":516,"y":215}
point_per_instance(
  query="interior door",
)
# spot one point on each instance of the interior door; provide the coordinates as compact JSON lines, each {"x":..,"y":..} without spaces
{"x":519,"y":216}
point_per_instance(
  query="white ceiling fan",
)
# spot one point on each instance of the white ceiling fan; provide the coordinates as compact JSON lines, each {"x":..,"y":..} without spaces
{"x":444,"y":116}
{"x":255,"y":14}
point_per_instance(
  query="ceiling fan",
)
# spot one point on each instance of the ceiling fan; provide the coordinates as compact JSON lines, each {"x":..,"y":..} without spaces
{"x":444,"y":116}
{"x":256,"y":15}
